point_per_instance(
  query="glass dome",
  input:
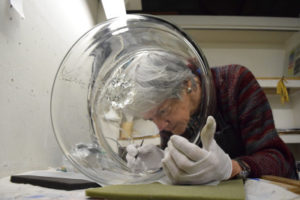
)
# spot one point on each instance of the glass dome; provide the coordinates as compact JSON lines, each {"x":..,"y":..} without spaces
{"x":92,"y":89}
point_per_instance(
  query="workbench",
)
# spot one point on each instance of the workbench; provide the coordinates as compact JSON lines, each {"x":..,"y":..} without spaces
{"x":255,"y":189}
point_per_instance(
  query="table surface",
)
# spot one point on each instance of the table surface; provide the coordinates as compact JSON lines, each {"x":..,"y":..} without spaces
{"x":255,"y":189}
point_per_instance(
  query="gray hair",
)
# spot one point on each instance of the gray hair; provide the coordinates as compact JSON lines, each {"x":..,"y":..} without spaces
{"x":157,"y":76}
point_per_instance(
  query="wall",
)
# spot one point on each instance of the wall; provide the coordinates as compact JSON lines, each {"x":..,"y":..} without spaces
{"x":30,"y":53}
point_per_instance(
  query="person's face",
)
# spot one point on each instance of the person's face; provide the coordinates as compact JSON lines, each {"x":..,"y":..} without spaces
{"x":172,"y":115}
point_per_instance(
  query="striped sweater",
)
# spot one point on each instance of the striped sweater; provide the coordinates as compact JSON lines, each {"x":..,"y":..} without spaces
{"x":242,"y":103}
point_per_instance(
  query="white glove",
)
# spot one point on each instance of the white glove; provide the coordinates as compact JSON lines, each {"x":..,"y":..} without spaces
{"x":142,"y":158}
{"x":186,"y":163}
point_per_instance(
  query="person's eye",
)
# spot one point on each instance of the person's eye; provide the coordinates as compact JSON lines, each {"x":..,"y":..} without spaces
{"x":164,"y":111}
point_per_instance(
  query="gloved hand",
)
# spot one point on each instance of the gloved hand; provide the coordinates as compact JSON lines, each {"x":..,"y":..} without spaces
{"x":186,"y":163}
{"x":142,"y":158}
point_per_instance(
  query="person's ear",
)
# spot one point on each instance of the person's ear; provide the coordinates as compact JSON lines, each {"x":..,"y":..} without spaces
{"x":188,"y":86}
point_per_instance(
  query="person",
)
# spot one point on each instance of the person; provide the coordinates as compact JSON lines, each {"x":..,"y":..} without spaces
{"x":239,"y":139}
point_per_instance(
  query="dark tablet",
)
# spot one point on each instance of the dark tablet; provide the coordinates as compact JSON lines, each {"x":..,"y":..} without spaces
{"x":54,"y":182}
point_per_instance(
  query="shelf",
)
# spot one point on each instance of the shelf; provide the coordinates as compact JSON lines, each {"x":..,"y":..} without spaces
{"x":237,"y":29}
{"x":272,"y":82}
{"x":239,"y":36}
{"x":234,"y":23}
{"x":290,"y":138}
{"x":269,"y":85}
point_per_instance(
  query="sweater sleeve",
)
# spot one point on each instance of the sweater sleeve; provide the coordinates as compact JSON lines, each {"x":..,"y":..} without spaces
{"x":266,"y":153}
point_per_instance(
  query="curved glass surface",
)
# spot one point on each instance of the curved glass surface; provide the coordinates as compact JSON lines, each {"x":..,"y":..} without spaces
{"x":92,"y":88}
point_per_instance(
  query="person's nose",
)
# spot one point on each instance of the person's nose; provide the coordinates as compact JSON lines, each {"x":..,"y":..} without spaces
{"x":161,"y":124}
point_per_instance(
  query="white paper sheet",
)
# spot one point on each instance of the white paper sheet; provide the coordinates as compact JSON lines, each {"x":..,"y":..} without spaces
{"x":18,"y":6}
